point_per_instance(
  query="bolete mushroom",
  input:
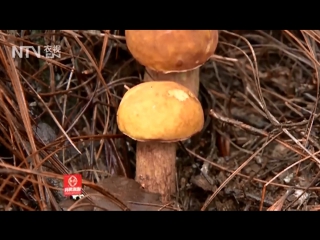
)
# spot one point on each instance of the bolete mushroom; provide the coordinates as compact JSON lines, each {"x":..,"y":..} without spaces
{"x":173,"y":55}
{"x":158,"y":114}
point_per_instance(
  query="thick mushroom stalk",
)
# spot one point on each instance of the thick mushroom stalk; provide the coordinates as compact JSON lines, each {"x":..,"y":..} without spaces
{"x":189,"y":79}
{"x":169,"y":55}
{"x":156,"y":168}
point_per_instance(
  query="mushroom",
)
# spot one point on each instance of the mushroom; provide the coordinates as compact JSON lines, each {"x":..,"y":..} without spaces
{"x":174,"y":55}
{"x":158,"y":114}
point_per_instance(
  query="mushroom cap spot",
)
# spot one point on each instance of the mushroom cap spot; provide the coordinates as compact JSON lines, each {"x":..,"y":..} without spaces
{"x":178,"y":94}
{"x":172,"y":50}
{"x":162,"y":111}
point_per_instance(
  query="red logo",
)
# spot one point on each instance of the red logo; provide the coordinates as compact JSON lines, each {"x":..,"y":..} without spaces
{"x":72,"y":184}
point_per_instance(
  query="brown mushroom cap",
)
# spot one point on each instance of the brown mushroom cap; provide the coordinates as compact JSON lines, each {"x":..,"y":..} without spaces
{"x":160,"y":110}
{"x":172,"y":50}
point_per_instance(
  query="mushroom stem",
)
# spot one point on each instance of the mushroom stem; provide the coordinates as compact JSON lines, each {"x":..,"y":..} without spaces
{"x":189,"y":79}
{"x":158,"y":175}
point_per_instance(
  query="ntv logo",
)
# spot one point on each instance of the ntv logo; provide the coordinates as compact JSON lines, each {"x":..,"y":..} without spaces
{"x":51,"y":51}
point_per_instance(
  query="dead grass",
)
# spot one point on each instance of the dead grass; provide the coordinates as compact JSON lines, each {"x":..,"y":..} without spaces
{"x":259,"y":149}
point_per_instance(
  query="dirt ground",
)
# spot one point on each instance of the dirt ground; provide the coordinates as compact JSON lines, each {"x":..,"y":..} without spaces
{"x":258,"y":150}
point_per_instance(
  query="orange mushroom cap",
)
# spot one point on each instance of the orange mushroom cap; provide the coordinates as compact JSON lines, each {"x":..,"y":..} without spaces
{"x":161,"y":111}
{"x":172,"y":50}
